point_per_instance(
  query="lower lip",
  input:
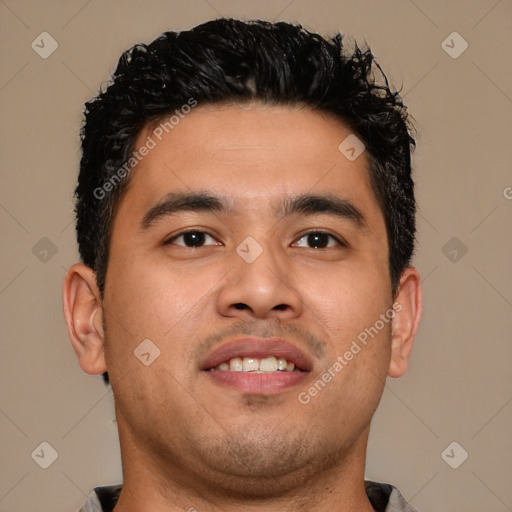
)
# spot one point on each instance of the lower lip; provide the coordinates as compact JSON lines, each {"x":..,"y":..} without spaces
{"x":257,"y":383}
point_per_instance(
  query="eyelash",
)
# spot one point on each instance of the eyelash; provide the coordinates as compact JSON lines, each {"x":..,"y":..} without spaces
{"x":183,"y":233}
{"x":339,"y":241}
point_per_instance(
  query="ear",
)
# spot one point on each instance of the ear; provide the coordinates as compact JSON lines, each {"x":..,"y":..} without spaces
{"x":84,"y":318}
{"x":408,"y":305}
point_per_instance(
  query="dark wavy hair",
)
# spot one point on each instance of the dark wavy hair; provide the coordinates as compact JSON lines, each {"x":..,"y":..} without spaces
{"x":228,"y":60}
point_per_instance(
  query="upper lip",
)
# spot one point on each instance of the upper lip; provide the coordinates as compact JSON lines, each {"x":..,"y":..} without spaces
{"x":258,"y":348}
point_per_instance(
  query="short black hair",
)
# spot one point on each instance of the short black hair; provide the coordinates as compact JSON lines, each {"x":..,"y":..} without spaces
{"x":225,"y":61}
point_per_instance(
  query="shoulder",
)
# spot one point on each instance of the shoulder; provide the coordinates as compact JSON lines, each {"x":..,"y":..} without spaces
{"x":386,"y":498}
{"x":102,"y":499}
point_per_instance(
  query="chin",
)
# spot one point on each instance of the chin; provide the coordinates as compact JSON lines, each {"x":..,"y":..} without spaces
{"x":255,"y":465}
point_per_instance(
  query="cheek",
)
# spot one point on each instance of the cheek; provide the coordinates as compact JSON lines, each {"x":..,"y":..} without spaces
{"x":354,"y":381}
{"x":151,"y":298}
{"x":156,"y":302}
{"x":352,"y":307}
{"x":348,"y":300}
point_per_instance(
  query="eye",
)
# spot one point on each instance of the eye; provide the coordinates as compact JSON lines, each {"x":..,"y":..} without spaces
{"x":318,"y":240}
{"x":192,"y":239}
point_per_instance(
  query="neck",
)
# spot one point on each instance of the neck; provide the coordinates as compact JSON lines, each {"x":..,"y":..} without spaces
{"x":158,"y":482}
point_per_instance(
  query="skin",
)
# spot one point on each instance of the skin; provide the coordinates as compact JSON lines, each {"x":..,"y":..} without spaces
{"x":186,"y":441}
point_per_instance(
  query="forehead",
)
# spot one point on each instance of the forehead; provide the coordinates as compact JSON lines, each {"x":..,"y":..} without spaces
{"x":252,"y":154}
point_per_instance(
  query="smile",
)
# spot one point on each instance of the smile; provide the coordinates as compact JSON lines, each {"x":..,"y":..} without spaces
{"x":254,"y":365}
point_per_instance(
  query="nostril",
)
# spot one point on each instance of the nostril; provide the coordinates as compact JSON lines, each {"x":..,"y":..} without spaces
{"x":241,"y":305}
{"x":280,"y":307}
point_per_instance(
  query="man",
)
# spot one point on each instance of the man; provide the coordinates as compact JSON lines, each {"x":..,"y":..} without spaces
{"x":245,"y":218}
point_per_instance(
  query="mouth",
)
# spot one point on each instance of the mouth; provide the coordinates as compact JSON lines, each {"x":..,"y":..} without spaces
{"x":257,"y":366}
{"x":268,"y":364}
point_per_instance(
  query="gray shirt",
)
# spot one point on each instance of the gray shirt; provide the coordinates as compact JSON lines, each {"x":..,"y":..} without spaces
{"x":383,"y":497}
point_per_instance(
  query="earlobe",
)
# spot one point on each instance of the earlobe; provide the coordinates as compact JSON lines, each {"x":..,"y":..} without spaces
{"x":84,"y":318}
{"x":408,"y":306}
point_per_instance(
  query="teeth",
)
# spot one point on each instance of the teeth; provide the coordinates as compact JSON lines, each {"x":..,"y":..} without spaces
{"x":252,"y":364}
{"x":236,"y":364}
{"x":269,"y":364}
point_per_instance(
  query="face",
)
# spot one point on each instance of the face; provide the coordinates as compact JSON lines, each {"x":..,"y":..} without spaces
{"x":246,"y":233}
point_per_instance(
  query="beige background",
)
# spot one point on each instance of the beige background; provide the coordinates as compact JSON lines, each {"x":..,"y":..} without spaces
{"x":458,"y":387}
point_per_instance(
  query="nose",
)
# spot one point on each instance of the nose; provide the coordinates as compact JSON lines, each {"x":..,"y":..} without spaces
{"x":261,"y":289}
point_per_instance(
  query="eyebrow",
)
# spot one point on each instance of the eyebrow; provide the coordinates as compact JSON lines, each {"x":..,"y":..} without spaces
{"x":176,"y":202}
{"x":323,"y":204}
{"x":304,"y":204}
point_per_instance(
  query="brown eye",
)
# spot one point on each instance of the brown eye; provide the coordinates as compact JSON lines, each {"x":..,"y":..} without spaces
{"x":192,"y":239}
{"x":318,"y":240}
